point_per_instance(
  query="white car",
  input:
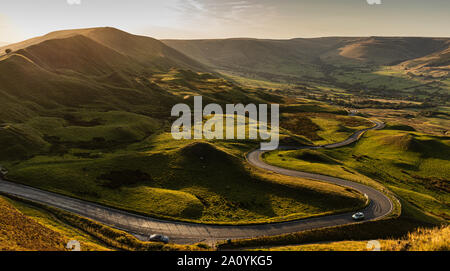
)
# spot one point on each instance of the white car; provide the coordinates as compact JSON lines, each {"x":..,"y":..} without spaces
{"x":159,"y":238}
{"x":358,"y":216}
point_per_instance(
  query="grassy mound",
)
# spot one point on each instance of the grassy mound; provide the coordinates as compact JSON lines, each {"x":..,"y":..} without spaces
{"x":403,"y":142}
{"x":412,"y":143}
{"x":19,"y":142}
{"x":84,"y":129}
{"x":322,"y":127}
{"x":86,"y":126}
{"x":205,"y":151}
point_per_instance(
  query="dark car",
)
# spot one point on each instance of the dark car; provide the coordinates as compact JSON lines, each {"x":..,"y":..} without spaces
{"x":159,"y":238}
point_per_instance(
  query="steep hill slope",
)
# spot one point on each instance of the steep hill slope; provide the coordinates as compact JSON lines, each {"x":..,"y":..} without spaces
{"x":77,"y":53}
{"x":56,"y":83}
{"x":144,"y":50}
{"x":384,"y":51}
{"x":435,"y":64}
{"x":102,"y":67}
{"x":20,"y":233}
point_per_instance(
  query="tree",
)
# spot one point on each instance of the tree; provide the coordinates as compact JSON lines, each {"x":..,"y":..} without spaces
{"x":7,"y":51}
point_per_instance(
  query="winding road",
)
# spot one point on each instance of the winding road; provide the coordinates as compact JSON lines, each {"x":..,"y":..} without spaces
{"x":185,"y":233}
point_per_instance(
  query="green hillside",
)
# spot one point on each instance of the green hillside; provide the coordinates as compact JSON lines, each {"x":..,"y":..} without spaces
{"x":413,"y":165}
{"x":182,"y":180}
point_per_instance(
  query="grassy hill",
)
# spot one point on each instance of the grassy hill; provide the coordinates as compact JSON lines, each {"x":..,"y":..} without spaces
{"x":20,"y":233}
{"x":322,"y":128}
{"x":435,"y":64}
{"x":146,"y":51}
{"x":384,"y":51}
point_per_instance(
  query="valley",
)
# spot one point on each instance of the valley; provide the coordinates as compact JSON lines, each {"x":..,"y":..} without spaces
{"x":85,"y":114}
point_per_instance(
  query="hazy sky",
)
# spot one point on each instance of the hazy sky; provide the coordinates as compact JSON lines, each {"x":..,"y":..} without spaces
{"x":189,"y":19}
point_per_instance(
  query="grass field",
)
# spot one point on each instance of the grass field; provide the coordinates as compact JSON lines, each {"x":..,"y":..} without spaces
{"x":184,"y":180}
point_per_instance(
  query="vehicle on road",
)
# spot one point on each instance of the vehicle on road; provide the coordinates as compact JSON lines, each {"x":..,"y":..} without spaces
{"x":3,"y":172}
{"x":159,"y":238}
{"x":358,"y":216}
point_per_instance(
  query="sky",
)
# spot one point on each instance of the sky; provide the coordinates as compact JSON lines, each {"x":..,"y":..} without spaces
{"x":201,"y":19}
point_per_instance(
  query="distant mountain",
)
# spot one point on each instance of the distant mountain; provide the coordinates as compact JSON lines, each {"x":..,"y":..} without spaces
{"x":297,"y":57}
{"x":306,"y":57}
{"x":384,"y":51}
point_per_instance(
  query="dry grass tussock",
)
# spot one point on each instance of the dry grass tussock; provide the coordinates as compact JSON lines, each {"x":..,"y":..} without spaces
{"x":435,"y":239}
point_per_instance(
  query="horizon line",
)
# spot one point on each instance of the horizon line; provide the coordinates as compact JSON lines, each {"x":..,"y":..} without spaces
{"x":3,"y":43}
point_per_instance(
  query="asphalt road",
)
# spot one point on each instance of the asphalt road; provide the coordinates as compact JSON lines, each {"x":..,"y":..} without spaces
{"x":184,"y":233}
